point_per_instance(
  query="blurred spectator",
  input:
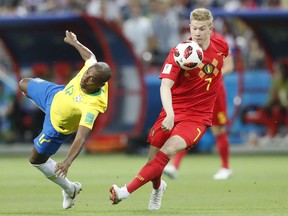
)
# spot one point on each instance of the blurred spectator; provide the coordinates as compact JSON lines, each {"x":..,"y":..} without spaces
{"x":138,"y":30}
{"x":224,"y":27}
{"x":107,"y":9}
{"x":274,"y":115}
{"x":278,"y":99}
{"x":256,"y":56}
{"x":272,"y":3}
{"x":12,"y":7}
{"x":166,"y":28}
{"x":7,"y":99}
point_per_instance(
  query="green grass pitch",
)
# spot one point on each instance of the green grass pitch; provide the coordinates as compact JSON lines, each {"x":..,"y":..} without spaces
{"x":259,"y":186}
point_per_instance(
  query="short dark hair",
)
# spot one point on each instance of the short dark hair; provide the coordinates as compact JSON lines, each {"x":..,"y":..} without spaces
{"x":104,"y":70}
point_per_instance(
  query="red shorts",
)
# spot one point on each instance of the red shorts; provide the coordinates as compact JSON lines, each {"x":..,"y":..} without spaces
{"x":190,"y":131}
{"x":220,"y":108}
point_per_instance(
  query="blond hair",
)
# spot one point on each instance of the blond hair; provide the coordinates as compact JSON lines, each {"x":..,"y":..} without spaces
{"x":201,"y":14}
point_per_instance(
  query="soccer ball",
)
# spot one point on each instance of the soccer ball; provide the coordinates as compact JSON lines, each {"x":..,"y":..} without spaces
{"x":188,"y":55}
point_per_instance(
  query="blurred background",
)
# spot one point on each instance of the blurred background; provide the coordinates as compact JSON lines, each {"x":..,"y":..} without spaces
{"x":134,"y":37}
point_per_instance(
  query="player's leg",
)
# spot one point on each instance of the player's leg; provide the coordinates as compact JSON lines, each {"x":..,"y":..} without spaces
{"x":159,"y":137}
{"x":23,"y":85}
{"x":222,"y":144}
{"x":44,"y":146}
{"x":151,"y":155}
{"x":218,"y":129}
{"x":47,"y":165}
{"x":146,"y":174}
{"x":184,"y":136}
{"x":150,"y":171}
{"x":41,"y":92}
{"x":177,"y":159}
{"x":171,"y":170}
{"x":173,"y":145}
{"x":118,"y":194}
{"x":156,"y":138}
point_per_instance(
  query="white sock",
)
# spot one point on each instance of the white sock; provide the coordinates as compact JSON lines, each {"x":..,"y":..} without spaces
{"x":125,"y":191}
{"x":48,"y":169}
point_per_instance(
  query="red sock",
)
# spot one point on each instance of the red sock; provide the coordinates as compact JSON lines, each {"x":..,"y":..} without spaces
{"x":156,"y":182}
{"x":178,"y":158}
{"x":151,"y":171}
{"x":223,"y":149}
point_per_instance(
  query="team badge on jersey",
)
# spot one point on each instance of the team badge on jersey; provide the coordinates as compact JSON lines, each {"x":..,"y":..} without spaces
{"x":78,"y":98}
{"x":208,"y":68}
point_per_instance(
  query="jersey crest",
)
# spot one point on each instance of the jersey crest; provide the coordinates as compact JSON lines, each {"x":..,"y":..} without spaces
{"x":78,"y":98}
{"x":208,"y":68}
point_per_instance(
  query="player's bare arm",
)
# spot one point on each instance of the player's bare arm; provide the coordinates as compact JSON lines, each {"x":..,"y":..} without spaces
{"x":71,"y":39}
{"x":228,"y":65}
{"x":166,"y":98}
{"x":76,"y":147}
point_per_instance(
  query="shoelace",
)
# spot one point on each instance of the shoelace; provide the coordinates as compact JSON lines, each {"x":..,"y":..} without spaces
{"x":155,"y":198}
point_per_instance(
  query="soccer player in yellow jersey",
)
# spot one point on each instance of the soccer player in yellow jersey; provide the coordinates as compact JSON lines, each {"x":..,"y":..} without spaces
{"x":68,"y":109}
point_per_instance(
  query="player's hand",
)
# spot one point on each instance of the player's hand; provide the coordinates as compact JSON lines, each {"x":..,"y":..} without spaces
{"x":70,"y":38}
{"x":61,"y":170}
{"x":168,"y":123}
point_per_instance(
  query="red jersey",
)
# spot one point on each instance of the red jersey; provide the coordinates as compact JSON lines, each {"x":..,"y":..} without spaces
{"x":194,"y":91}
{"x":220,"y":108}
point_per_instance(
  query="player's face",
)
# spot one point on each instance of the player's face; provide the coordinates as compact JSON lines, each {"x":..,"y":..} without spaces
{"x":90,"y":82}
{"x":200,"y":32}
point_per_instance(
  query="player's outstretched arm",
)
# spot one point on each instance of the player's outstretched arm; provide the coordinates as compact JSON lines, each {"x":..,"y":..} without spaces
{"x":228,"y":65}
{"x":71,"y":39}
{"x":166,"y":99}
{"x":76,"y":147}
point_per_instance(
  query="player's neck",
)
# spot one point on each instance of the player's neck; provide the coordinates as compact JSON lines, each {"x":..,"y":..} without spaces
{"x":205,"y":45}
{"x":90,"y":91}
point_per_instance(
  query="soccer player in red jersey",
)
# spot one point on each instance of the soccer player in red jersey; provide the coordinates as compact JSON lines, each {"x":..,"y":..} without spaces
{"x":188,"y":99}
{"x":218,"y":129}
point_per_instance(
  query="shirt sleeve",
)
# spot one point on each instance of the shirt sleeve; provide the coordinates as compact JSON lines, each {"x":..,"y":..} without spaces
{"x":170,"y":69}
{"x":88,"y":118}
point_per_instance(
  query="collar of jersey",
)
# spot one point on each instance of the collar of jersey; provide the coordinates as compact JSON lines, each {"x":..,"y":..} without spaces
{"x":97,"y":93}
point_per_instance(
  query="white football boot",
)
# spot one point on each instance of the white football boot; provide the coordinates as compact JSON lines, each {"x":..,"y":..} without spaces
{"x":170,"y":171}
{"x":118,"y":194}
{"x":222,"y":174}
{"x":69,"y":200}
{"x":156,"y":196}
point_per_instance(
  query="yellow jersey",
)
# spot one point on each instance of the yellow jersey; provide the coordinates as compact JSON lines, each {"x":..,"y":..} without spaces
{"x":72,"y":107}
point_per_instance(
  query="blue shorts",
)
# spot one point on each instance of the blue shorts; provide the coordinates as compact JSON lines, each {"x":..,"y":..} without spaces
{"x":42,"y":93}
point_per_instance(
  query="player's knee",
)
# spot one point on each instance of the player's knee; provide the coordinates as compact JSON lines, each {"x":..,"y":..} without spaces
{"x":36,"y":158}
{"x":170,"y":148}
{"x":32,"y":161}
{"x":23,"y":85}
